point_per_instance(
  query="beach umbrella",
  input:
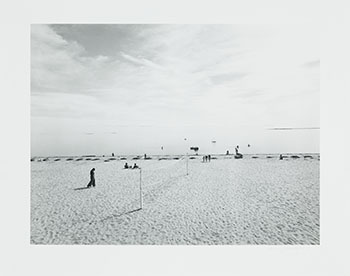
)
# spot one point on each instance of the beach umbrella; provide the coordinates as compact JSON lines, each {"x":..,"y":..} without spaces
{"x":195,"y":149}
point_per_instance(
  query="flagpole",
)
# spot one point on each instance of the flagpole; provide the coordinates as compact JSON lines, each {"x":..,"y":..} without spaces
{"x":186,"y":163}
{"x":186,"y":156}
{"x":140,"y":188}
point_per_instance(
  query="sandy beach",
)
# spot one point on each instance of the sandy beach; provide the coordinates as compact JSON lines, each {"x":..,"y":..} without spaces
{"x":226,"y":201}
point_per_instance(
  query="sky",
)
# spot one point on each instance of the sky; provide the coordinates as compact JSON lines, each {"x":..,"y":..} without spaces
{"x":133,"y":89}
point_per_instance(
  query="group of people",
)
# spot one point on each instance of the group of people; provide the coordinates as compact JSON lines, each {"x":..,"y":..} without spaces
{"x":126,"y":166}
{"x":206,"y":158}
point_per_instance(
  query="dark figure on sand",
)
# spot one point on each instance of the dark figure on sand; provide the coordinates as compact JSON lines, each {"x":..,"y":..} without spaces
{"x":126,"y":166}
{"x":209,"y":157}
{"x":281,"y":157}
{"x":92,"y":178}
{"x":238,"y":155}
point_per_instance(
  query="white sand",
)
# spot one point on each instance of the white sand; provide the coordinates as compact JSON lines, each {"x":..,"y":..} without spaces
{"x":226,"y":201}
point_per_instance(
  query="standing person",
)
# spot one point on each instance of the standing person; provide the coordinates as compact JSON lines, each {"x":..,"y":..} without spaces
{"x":92,"y":178}
{"x":209,"y":157}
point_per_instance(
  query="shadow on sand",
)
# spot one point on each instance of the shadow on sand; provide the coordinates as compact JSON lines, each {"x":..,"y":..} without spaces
{"x":112,"y":216}
{"x":81,"y":188}
{"x":119,"y":215}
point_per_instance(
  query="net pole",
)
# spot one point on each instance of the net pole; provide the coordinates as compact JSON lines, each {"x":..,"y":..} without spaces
{"x":186,"y":163}
{"x":140,"y":188}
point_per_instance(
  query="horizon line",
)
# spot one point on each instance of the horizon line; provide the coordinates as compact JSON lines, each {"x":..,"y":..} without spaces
{"x":292,"y":128}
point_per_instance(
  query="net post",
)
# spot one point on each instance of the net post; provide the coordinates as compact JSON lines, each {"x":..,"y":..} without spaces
{"x":140,"y":188}
{"x":186,"y":163}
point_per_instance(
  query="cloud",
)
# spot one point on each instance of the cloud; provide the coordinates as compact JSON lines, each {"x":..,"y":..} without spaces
{"x":164,"y":66}
{"x":141,"y":61}
{"x":61,"y":66}
{"x":103,"y":39}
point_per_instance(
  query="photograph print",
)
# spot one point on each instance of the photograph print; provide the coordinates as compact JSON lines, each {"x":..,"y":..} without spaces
{"x":169,"y":134}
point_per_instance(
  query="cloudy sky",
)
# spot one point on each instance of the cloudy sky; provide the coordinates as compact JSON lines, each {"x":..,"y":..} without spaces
{"x":130,"y":89}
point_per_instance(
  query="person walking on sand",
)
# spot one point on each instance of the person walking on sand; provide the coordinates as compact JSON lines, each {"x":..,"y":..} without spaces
{"x":92,"y":178}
